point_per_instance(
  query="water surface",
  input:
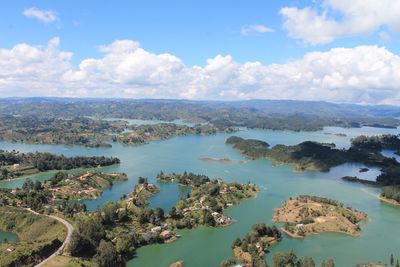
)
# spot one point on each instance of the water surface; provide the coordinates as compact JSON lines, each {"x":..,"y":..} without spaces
{"x":209,"y":246}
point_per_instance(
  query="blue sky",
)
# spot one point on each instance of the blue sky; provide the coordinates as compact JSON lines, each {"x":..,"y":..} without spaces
{"x":270,"y":32}
{"x":191,"y":30}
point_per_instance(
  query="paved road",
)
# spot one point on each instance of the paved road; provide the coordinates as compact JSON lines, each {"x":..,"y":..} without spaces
{"x":66,"y":241}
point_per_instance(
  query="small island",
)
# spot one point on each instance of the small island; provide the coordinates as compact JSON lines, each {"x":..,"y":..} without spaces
{"x":207,"y":200}
{"x":252,"y":248}
{"x":306,"y":215}
{"x":140,"y":194}
{"x":88,"y":185}
{"x":223,"y":160}
{"x":142,"y":134}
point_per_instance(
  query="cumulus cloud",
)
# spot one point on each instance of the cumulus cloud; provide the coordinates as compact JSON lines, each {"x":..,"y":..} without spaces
{"x":364,"y":74}
{"x":46,"y":16}
{"x":340,"y":18}
{"x":258,"y":28}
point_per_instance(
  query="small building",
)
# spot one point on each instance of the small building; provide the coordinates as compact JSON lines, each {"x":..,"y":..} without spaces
{"x":166,"y":234}
{"x":215,"y":214}
{"x":156,"y":229}
{"x":203,"y":198}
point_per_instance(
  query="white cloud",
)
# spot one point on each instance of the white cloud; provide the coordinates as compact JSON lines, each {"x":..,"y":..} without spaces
{"x":258,"y":28}
{"x":357,"y":18}
{"x":364,"y":74}
{"x":46,"y":16}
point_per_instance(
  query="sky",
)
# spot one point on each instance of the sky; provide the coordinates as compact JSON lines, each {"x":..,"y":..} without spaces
{"x":332,"y":50}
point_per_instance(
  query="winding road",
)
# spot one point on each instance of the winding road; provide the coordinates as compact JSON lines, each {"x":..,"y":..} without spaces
{"x":59,"y":251}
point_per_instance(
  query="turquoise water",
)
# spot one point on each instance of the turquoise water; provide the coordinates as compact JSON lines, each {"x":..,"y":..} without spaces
{"x":209,"y":246}
{"x":8,"y":237}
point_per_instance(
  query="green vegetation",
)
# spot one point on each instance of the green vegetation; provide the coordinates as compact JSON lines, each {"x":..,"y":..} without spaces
{"x":251,"y":249}
{"x":264,"y":114}
{"x":207,"y":200}
{"x":140,"y":194}
{"x":39,"y":236}
{"x":58,"y":130}
{"x":89,"y":185}
{"x":355,"y":179}
{"x":377,"y":143}
{"x":15,"y":164}
{"x":306,"y":155}
{"x":61,"y":192}
{"x":141,"y":134}
{"x":318,"y":156}
{"x":307,"y":215}
{"x":249,"y":147}
{"x":391,"y":192}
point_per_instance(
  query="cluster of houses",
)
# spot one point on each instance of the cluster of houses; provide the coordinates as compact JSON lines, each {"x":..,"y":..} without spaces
{"x":164,"y":233}
{"x":219,"y":218}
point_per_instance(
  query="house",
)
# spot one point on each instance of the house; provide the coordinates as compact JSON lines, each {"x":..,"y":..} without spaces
{"x":215,"y":214}
{"x":166,"y":234}
{"x":203,"y":198}
{"x":224,"y":220}
{"x":156,"y":229}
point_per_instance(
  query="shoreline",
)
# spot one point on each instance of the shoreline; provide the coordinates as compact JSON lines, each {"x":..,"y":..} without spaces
{"x":388,"y":200}
{"x":290,"y":234}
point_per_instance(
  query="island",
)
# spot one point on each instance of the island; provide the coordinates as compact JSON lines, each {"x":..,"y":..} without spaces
{"x":304,"y":156}
{"x":59,"y":130}
{"x":306,"y":215}
{"x":250,"y":249}
{"x":14,"y":164}
{"x":140,"y":194}
{"x":207,"y":199}
{"x":321,"y":156}
{"x":142,"y":134}
{"x":87,"y":185}
{"x":223,"y":160}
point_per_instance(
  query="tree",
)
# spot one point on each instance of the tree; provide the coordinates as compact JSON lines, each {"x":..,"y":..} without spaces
{"x":106,"y":255}
{"x":208,"y":219}
{"x":391,"y":259}
{"x":142,"y":180}
{"x":328,"y":263}
{"x":172,"y":213}
{"x":289,"y":259}
{"x":236,"y":243}
{"x":308,"y":262}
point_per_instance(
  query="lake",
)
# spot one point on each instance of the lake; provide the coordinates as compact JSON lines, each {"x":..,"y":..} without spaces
{"x":209,"y":246}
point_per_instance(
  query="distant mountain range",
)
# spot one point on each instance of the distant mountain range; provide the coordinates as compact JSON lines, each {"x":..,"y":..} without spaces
{"x":284,"y":107}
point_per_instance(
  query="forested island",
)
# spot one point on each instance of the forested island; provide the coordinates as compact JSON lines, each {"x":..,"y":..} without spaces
{"x":59,"y":130}
{"x":207,"y":199}
{"x":14,"y":164}
{"x":319,"y":156}
{"x":142,"y":134}
{"x":251,"y":249}
{"x":92,"y":133}
{"x":306,"y":215}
